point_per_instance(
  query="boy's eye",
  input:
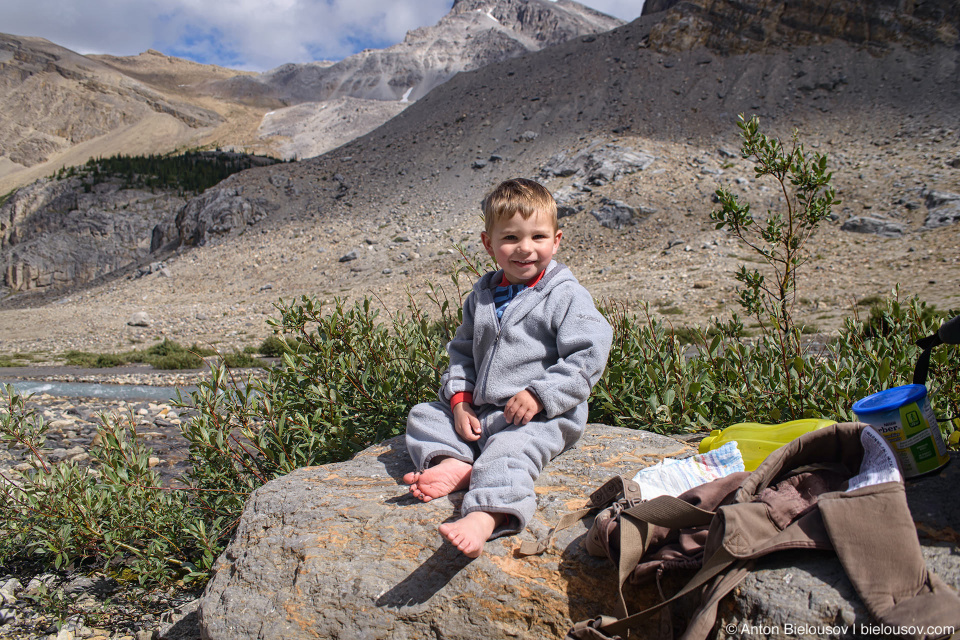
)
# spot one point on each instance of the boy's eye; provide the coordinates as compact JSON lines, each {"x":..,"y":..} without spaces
{"x":510,"y":237}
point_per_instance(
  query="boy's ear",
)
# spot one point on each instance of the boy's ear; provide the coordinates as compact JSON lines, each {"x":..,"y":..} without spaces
{"x":556,"y":241}
{"x":485,"y":239}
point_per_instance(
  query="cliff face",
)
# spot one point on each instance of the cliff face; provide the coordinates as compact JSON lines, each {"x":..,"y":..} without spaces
{"x":744,"y":26}
{"x":55,"y":233}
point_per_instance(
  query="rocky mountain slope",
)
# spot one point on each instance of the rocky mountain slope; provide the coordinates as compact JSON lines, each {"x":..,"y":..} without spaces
{"x":634,"y":159}
{"x":733,"y":27}
{"x":59,"y":108}
{"x":73,"y":229}
{"x":336,"y":102}
{"x":475,"y":33}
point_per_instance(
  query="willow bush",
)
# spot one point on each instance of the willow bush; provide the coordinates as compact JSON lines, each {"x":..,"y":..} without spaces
{"x":654,"y":381}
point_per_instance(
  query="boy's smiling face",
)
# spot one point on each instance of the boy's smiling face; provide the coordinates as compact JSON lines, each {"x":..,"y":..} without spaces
{"x":522,"y":248}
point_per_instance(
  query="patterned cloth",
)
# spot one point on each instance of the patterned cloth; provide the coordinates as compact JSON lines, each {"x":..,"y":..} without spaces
{"x":503,"y":295}
{"x":673,"y":477}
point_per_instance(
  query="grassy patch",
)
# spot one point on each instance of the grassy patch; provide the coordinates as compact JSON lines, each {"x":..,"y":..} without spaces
{"x":163,"y":355}
{"x":19,"y":359}
{"x":869,"y":301}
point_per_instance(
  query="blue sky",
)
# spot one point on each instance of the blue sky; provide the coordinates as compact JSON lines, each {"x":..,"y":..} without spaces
{"x":242,"y":34}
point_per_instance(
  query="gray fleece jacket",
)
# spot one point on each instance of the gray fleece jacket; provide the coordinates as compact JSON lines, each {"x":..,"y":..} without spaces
{"x":551,"y":340}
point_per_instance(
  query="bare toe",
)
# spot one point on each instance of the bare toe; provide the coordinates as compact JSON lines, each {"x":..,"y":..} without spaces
{"x":442,"y":479}
{"x":469,"y":533}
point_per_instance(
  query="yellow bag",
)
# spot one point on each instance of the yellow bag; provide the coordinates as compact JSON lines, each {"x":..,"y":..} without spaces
{"x":756,"y":441}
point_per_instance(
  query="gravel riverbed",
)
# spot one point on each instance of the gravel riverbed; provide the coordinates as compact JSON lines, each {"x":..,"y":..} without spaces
{"x":84,"y":604}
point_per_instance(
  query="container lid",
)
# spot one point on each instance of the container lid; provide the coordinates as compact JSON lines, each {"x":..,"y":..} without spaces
{"x":890,"y":399}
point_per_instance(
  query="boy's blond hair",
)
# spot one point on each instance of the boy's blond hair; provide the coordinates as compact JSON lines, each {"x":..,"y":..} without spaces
{"x":519,"y":195}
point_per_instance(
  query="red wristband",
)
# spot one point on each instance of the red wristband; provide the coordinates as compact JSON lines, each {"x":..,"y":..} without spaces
{"x":461,"y":396}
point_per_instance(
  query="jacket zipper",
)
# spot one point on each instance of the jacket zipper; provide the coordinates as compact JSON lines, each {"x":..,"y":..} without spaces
{"x":482,"y":382}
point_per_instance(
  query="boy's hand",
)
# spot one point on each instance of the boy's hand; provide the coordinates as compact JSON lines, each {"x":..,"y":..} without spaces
{"x":522,"y":407}
{"x":466,"y":422}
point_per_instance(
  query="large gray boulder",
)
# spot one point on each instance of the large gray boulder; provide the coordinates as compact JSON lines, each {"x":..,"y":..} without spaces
{"x":876,"y":226}
{"x":598,"y":164}
{"x":342,"y":551}
{"x":943,"y":208}
{"x":615,"y":214}
{"x":219,"y":211}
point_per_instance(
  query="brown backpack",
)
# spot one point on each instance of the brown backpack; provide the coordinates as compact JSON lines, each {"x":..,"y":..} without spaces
{"x":797,"y":499}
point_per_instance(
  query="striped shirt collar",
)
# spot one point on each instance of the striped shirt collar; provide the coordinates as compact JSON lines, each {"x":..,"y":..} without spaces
{"x":506,"y":283}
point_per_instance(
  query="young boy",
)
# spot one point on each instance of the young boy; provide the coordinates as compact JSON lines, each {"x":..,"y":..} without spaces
{"x":531,"y":346}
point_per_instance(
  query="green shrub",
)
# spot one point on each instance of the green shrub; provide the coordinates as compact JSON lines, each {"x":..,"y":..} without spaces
{"x":179,"y":360}
{"x":691,"y":335}
{"x":203,"y":352}
{"x":108,"y":360}
{"x":19,"y":359}
{"x":878,"y":321}
{"x":80,"y":359}
{"x":274,"y":346}
{"x":653,"y":381}
{"x":161,"y":349}
{"x":241,"y":360}
{"x":62,"y":514}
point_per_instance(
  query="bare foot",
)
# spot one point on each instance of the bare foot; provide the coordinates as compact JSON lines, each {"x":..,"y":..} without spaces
{"x":439,"y":480}
{"x":470,"y":532}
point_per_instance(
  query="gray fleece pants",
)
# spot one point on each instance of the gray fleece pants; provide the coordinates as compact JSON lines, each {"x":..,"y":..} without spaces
{"x":506,"y":459}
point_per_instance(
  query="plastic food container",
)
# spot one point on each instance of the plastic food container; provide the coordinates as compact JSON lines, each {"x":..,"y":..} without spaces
{"x":904,"y":417}
{"x":756,"y":441}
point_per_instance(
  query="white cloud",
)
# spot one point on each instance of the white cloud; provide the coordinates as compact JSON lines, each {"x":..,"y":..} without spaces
{"x":248,"y":34}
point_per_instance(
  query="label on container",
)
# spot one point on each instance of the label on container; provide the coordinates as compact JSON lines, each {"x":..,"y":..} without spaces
{"x":913,"y":434}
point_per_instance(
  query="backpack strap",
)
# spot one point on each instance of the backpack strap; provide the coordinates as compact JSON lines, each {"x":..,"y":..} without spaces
{"x":923,"y":362}
{"x":607,"y":494}
{"x":607,"y":628}
{"x":636,"y":523}
{"x":948,"y":333}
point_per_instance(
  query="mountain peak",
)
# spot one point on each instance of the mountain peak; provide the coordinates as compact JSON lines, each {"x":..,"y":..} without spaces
{"x":473,"y":34}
